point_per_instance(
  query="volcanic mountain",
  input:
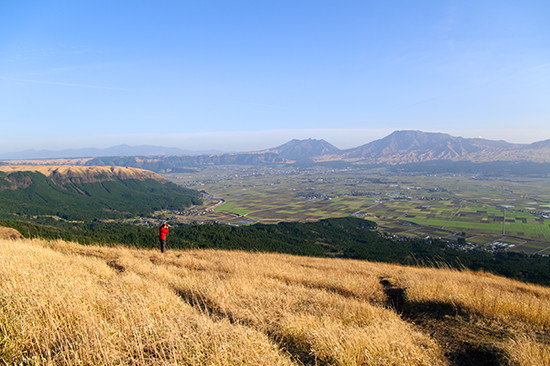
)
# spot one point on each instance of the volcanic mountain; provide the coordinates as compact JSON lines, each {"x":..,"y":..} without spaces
{"x":305,"y":149}
{"x":402,"y":147}
{"x":416,"y":146}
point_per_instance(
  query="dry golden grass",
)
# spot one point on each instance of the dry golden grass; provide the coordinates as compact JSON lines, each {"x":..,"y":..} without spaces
{"x":85,"y":171}
{"x":526,"y":350}
{"x":70,"y":309}
{"x":63,"y":303}
{"x":7,"y":233}
{"x":484,"y":294}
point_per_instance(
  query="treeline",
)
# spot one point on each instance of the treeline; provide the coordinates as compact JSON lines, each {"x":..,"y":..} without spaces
{"x":341,"y":237}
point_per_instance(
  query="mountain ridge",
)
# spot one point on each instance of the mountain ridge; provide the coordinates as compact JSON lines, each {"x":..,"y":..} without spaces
{"x":91,"y":152}
{"x":400,"y":147}
{"x":416,"y":146}
{"x":87,"y":193}
{"x":305,"y":149}
{"x":85,"y":174}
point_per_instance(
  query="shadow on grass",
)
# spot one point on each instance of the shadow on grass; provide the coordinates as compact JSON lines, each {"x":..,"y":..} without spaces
{"x":464,"y":343}
{"x":299,"y":352}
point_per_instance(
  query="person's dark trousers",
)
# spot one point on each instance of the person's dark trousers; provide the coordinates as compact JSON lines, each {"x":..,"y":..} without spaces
{"x":162,"y":245}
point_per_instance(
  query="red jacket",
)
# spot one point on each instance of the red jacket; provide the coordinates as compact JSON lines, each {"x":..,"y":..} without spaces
{"x":163,"y":231}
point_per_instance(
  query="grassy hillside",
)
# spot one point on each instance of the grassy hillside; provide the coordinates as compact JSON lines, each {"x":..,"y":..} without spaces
{"x":87,"y":193}
{"x":346,"y":237}
{"x":63,"y":303}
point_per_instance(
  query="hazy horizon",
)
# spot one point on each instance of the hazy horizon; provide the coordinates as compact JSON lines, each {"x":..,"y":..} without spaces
{"x":214,"y":149}
{"x":248,"y":75}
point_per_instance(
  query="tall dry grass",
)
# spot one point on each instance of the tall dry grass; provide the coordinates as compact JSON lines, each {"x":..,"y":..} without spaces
{"x":479,"y":293}
{"x":70,"y":309}
{"x":525,"y":350}
{"x":63,"y":303}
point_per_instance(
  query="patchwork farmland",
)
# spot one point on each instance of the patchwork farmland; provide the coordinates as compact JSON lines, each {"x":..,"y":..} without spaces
{"x":512,"y":211}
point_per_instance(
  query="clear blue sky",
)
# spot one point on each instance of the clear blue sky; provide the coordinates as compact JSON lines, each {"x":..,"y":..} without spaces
{"x":247,"y":75}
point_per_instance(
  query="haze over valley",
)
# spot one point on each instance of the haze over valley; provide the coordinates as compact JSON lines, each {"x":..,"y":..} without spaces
{"x":275,"y":183}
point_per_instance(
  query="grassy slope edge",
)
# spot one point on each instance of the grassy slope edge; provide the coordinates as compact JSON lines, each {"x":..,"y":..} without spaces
{"x":64,"y":303}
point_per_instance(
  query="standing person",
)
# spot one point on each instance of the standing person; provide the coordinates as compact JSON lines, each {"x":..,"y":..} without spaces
{"x":163,"y":230}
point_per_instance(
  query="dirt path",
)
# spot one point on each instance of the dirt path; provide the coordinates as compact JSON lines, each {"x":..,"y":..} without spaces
{"x":464,"y":341}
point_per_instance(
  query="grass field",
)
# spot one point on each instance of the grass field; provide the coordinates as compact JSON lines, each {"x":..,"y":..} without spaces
{"x":67,"y":304}
{"x":406,"y":205}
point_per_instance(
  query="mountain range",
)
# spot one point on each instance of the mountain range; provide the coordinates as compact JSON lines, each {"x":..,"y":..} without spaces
{"x":403,"y":147}
{"x":119,"y":150}
{"x":400,"y":147}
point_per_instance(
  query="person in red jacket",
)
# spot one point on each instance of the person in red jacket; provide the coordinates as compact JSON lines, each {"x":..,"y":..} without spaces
{"x":163,"y":230}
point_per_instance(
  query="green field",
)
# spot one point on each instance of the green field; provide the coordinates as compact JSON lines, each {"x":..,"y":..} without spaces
{"x":232,"y":208}
{"x":410,"y":206}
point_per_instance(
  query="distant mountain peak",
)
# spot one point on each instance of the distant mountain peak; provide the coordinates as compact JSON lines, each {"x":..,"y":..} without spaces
{"x":416,"y":146}
{"x":305,"y":149}
{"x":399,"y":147}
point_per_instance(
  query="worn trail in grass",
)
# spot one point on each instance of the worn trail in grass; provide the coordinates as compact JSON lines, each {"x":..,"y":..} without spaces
{"x":63,"y":303}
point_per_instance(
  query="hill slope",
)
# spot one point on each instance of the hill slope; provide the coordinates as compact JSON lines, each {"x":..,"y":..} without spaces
{"x":99,"y":305}
{"x":87,"y":193}
{"x":345,"y":237}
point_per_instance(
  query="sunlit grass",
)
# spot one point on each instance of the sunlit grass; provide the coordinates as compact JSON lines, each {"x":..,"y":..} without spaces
{"x":63,"y":303}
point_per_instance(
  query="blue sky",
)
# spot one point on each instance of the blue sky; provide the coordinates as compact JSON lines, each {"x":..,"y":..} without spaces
{"x":247,"y":75}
